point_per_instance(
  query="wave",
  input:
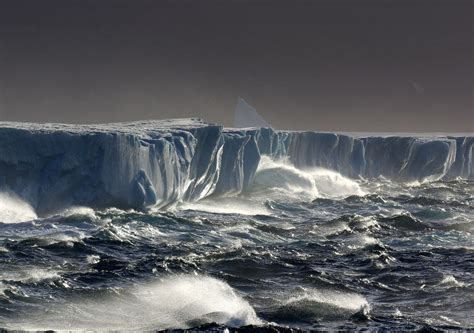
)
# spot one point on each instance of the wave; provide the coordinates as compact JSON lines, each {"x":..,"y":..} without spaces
{"x":405,"y":221}
{"x":278,"y":180}
{"x":181,"y":301}
{"x":280,"y":176}
{"x":77,"y":211}
{"x":332,"y":184}
{"x":451,"y":281}
{"x":273,"y":180}
{"x":310,"y":304}
{"x":14,"y":210}
{"x":29,"y":274}
{"x":243,"y":205}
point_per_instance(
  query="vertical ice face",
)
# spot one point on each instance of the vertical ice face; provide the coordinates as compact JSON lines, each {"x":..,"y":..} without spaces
{"x":240,"y":160}
{"x":463,"y":165}
{"x":246,"y":116}
{"x":206,"y":163}
{"x":143,"y":192}
{"x":159,"y":163}
{"x":399,"y":158}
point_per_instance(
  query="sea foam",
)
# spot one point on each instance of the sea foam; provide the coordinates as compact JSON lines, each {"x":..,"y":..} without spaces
{"x":13,"y":209}
{"x":179,"y":301}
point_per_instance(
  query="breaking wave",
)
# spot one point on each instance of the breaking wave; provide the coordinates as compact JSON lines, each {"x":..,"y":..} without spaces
{"x":279,"y":180}
{"x":181,"y":301}
{"x":282,"y":178}
{"x":309,"y":304}
{"x":14,"y":210}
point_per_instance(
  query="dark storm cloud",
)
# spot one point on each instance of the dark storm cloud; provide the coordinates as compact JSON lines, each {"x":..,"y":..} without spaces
{"x":325,"y":65}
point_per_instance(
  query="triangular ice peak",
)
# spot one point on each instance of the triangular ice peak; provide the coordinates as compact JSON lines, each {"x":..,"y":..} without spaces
{"x":246,"y":116}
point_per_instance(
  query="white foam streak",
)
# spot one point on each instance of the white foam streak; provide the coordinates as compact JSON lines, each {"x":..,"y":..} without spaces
{"x":321,"y":304}
{"x":78,"y":211}
{"x":345,"y":301}
{"x":230,"y":205}
{"x":29,"y":275}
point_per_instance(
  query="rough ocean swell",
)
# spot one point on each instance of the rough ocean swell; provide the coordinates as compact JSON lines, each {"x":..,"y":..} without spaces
{"x":180,"y":224}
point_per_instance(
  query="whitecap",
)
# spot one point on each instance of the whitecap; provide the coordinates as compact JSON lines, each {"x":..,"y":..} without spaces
{"x":133,"y":230}
{"x":359,"y":241}
{"x":227,"y":205}
{"x":449,"y":320}
{"x":275,"y":179}
{"x":92,"y":259}
{"x":347,"y":301}
{"x":450,"y":280}
{"x":30,"y":275}
{"x":68,"y":237}
{"x":332,"y":184}
{"x":13,"y":209}
{"x":316,"y":304}
{"x":181,"y":301}
{"x":279,"y":178}
{"x":79,"y":211}
{"x":330,"y":228}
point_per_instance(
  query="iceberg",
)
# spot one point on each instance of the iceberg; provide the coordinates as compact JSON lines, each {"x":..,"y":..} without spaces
{"x":162,"y":162}
{"x":246,"y":116}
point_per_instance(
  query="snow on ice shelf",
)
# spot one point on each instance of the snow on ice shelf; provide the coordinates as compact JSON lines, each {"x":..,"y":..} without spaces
{"x":159,"y":163}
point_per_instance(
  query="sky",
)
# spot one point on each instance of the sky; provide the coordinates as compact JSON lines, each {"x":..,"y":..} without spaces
{"x":328,"y":65}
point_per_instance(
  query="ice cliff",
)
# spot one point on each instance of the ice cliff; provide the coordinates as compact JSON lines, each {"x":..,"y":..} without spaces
{"x":159,"y":163}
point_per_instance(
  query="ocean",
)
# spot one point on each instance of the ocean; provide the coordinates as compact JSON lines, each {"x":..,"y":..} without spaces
{"x":299,"y":250}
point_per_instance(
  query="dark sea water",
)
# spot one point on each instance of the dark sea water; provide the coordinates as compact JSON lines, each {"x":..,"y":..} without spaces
{"x":356,"y":255}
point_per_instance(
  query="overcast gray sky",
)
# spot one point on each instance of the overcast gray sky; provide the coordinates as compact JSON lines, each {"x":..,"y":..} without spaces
{"x":369,"y":65}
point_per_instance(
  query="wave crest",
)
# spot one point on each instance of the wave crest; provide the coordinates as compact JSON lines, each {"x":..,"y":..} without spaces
{"x":13,"y":209}
{"x":282,"y":176}
{"x":181,"y":301}
{"x":311,"y":304}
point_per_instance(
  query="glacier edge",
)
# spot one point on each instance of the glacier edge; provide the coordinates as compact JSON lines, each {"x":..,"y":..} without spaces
{"x":160,"y":163}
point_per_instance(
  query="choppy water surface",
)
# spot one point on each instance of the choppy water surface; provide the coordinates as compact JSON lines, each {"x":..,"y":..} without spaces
{"x":308,"y":250}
